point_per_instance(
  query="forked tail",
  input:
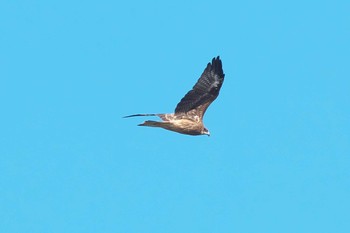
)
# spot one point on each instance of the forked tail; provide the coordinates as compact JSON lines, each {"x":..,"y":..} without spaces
{"x":152,"y":124}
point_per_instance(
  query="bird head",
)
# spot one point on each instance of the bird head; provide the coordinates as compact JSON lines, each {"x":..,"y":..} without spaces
{"x":205,"y":131}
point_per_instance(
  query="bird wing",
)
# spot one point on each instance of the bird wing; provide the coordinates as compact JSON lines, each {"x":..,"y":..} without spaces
{"x":204,"y":92}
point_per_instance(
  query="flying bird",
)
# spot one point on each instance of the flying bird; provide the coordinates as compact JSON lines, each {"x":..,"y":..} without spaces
{"x":189,"y":112}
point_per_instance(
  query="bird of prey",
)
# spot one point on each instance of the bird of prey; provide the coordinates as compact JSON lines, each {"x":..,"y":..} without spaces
{"x":189,"y":112}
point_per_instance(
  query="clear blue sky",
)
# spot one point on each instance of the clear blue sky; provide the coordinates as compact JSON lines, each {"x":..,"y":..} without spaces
{"x":278,"y":159}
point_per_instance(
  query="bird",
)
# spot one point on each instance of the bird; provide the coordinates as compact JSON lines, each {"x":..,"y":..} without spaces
{"x":188,"y":116}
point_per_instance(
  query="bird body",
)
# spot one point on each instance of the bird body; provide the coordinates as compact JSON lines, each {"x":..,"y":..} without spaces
{"x":189,"y":112}
{"x":184,"y":126}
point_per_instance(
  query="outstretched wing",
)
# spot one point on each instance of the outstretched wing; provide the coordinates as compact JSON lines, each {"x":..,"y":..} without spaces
{"x":204,"y":92}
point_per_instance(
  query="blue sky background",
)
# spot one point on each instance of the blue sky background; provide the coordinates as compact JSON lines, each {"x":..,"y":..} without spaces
{"x":278,"y":157}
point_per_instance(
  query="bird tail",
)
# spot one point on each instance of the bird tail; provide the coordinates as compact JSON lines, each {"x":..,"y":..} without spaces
{"x":152,"y":124}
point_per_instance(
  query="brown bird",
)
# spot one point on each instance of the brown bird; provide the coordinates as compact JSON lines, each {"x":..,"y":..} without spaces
{"x":189,"y":112}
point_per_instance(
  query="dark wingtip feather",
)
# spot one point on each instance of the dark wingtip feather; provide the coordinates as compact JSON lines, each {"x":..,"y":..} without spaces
{"x":217,"y":66}
{"x":136,"y":115}
{"x":216,"y":59}
{"x":128,"y":116}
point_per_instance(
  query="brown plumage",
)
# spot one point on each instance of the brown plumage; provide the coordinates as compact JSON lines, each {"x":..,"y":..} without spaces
{"x":189,"y":112}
